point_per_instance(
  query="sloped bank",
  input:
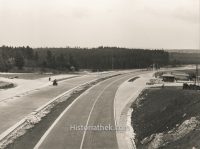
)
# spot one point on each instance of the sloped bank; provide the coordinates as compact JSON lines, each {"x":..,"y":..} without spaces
{"x":167,"y":118}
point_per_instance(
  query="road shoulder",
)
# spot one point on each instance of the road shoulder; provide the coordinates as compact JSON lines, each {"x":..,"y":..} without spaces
{"x":126,"y":94}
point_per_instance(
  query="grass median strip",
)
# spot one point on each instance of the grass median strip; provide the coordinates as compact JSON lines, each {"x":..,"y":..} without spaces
{"x":133,"y":79}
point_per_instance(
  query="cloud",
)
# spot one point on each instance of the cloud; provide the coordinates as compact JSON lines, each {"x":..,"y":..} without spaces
{"x":184,"y":10}
{"x":127,"y":23}
{"x":81,"y":13}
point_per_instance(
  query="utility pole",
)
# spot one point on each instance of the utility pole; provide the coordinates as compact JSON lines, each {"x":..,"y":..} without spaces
{"x":153,"y":67}
{"x":199,"y":49}
{"x":197,"y":79}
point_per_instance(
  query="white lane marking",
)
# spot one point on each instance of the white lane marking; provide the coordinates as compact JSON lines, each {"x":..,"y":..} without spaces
{"x":9,"y":130}
{"x":60,"y":116}
{"x":83,"y":138}
{"x":53,"y":125}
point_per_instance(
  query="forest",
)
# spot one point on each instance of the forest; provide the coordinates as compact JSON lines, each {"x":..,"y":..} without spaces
{"x":29,"y":59}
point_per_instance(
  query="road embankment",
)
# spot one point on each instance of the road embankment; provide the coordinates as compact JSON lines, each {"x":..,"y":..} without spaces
{"x":167,"y":118}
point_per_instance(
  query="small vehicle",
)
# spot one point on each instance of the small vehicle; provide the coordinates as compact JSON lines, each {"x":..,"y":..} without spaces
{"x":149,"y":83}
{"x":55,"y":83}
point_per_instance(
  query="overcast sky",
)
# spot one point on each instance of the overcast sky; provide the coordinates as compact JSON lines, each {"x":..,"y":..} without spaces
{"x":169,"y":24}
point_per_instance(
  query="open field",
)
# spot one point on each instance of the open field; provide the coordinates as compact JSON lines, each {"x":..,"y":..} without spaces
{"x":167,"y":118}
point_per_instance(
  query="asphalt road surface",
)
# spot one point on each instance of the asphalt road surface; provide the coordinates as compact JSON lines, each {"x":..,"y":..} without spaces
{"x":15,"y":109}
{"x":94,"y":109}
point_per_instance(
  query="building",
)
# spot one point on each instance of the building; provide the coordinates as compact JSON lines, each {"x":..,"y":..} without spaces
{"x":168,"y":77}
{"x":181,"y":76}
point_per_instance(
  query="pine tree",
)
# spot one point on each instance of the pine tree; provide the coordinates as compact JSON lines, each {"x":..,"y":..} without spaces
{"x":19,"y":61}
{"x":49,"y":59}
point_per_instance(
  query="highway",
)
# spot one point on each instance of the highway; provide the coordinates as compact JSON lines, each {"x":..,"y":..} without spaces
{"x":16,"y":108}
{"x":93,"y":108}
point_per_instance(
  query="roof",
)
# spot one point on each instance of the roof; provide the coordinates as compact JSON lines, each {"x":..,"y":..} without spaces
{"x":181,"y":74}
{"x":167,"y":75}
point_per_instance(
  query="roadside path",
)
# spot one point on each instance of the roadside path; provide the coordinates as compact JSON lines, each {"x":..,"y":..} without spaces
{"x":24,"y":86}
{"x":125,"y":96}
{"x":17,"y":107}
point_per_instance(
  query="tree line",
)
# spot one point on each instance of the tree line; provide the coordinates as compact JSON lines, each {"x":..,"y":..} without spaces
{"x":62,"y":59}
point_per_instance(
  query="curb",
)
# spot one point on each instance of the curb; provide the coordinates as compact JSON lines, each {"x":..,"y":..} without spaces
{"x":128,"y":138}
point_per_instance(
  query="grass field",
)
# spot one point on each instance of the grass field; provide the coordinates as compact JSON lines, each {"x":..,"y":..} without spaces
{"x":165,"y":111}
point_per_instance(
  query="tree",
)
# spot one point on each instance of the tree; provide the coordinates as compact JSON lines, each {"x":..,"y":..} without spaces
{"x":49,"y":59}
{"x":36,"y":56}
{"x":73,"y":63}
{"x":2,"y":64}
{"x":29,"y":53}
{"x":19,"y":61}
{"x":102,"y":58}
{"x":60,"y":61}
